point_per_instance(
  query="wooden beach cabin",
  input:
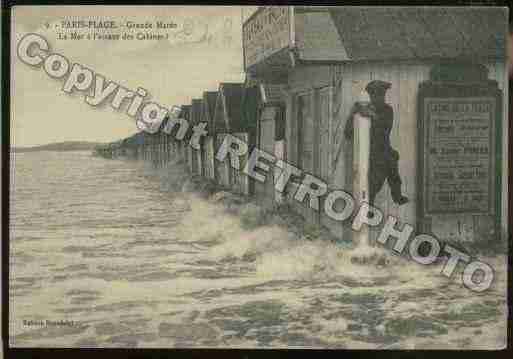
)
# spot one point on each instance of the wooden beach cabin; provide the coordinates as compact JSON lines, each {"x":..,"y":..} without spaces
{"x":209,"y":108}
{"x":193,"y":155}
{"x":228,"y":108}
{"x":138,"y":142}
{"x":179,"y":145}
{"x":161,"y":139}
{"x":445,"y":62}
{"x":263,"y":107}
{"x":130,"y":144}
{"x":228,"y":119}
{"x":207,"y":149}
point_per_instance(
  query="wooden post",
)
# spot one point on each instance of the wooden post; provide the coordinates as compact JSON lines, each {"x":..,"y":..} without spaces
{"x":279,"y":153}
{"x":361,"y":154}
{"x":199,"y":161}
{"x":222,"y":169}
{"x":240,"y":181}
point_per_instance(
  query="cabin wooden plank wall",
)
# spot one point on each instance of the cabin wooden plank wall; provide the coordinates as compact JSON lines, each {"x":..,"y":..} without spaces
{"x":191,"y":158}
{"x":209,"y":165}
{"x":173,"y":147}
{"x":163,"y":149}
{"x":197,"y":159}
{"x":176,"y":151}
{"x":167,"y":148}
{"x":346,"y":82}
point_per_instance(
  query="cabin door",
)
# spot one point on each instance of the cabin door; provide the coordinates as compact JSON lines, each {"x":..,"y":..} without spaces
{"x":306,"y":154}
{"x":325,"y":116}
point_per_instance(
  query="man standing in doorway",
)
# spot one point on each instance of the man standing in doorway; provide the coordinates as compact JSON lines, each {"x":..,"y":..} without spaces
{"x":383,"y":162}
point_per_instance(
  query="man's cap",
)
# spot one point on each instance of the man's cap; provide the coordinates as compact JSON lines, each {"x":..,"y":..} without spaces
{"x":377,"y":86}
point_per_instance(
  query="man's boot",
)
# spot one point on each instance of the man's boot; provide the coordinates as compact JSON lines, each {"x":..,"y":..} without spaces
{"x":397,"y":197}
{"x":401,"y":200}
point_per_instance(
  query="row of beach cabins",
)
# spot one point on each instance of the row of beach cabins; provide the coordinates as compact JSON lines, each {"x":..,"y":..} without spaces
{"x":233,"y":109}
{"x":306,"y":66}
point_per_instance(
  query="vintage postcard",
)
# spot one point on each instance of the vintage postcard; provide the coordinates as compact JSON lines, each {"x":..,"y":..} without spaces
{"x":258,"y":177}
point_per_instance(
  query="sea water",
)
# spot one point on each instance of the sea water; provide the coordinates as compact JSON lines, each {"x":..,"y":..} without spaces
{"x":114,"y":253}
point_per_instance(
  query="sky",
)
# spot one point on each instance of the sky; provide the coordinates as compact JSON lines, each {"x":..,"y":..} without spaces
{"x":193,"y":59}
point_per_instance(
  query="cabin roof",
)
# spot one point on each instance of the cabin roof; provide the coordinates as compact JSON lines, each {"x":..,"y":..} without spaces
{"x":379,"y":33}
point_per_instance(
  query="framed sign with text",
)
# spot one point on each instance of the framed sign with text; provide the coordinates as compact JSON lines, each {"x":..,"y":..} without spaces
{"x":459,"y":148}
{"x":459,"y":156}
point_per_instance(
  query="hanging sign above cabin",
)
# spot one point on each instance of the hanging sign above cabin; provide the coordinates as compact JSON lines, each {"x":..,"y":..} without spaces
{"x":265,"y":33}
{"x":458,"y":147}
